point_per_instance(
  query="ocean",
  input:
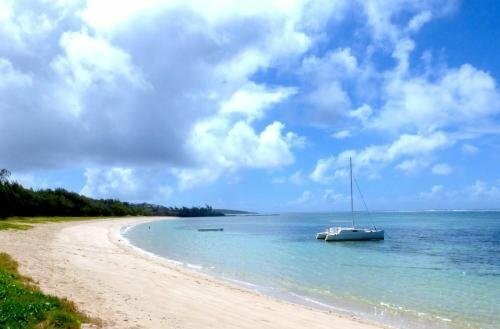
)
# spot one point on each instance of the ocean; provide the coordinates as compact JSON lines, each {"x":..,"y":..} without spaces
{"x":435,"y":269}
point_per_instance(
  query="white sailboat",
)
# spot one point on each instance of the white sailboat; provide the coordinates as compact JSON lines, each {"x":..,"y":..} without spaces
{"x":351,"y":233}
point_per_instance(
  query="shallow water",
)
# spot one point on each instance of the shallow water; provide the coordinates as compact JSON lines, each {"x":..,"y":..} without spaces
{"x":433,"y":270}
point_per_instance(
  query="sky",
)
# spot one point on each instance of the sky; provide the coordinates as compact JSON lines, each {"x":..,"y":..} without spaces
{"x":254,"y":105}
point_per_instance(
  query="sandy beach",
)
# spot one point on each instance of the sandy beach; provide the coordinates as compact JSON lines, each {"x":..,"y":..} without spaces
{"x":89,"y":263}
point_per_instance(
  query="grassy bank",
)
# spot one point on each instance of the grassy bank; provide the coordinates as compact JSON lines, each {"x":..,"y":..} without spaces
{"x":23,"y":305}
{"x":23,"y":223}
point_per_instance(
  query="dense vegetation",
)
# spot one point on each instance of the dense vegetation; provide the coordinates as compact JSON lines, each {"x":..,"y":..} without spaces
{"x":23,"y":305}
{"x":15,"y":200}
{"x":235,"y":212}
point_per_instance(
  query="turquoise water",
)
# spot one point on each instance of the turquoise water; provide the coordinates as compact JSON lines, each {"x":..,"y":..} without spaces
{"x":433,"y":270}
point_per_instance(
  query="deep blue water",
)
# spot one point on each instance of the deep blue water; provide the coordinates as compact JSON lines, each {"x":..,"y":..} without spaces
{"x":434,"y":269}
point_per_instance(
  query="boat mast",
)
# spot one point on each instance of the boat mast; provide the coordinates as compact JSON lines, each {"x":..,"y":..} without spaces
{"x":352,"y":202}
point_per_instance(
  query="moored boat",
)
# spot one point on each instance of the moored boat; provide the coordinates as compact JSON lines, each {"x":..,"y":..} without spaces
{"x":351,"y":233}
{"x":321,"y":235}
{"x":354,"y":234}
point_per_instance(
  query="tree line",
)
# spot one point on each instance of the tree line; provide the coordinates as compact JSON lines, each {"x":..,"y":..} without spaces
{"x":16,"y":200}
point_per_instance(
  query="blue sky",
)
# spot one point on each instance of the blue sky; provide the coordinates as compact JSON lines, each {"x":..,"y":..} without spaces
{"x":254,"y":105}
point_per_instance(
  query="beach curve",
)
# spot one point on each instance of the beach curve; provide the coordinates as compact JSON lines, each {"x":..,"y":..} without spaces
{"x":90,"y":263}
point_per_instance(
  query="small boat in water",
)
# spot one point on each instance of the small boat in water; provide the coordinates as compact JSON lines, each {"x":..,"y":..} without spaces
{"x":351,"y":233}
{"x":322,"y":235}
{"x":354,"y":234}
{"x":210,"y":229}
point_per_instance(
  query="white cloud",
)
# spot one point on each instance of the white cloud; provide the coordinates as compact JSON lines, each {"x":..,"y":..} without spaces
{"x":477,"y":195}
{"x":31,"y":181}
{"x":383,"y":17}
{"x":21,"y":27}
{"x":128,"y":97}
{"x":338,"y":64}
{"x":419,"y":20}
{"x":464,"y":96}
{"x":326,"y":171}
{"x":222,"y":147}
{"x":297,"y":178}
{"x":362,"y":113}
{"x":328,"y":101}
{"x":469,"y":149}
{"x":342,"y":134}
{"x":11,"y":77}
{"x":481,"y":189}
{"x":123,"y":183}
{"x":426,"y":112}
{"x":115,"y":181}
{"x":412,"y":165}
{"x":374,"y":157}
{"x":89,"y":60}
{"x":330,"y":195}
{"x":251,"y":100}
{"x":305,"y":197}
{"x":174,"y":84}
{"x":435,"y":191}
{"x":442,"y":169}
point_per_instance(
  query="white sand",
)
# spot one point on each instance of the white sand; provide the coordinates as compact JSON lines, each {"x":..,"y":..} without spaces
{"x":89,"y":263}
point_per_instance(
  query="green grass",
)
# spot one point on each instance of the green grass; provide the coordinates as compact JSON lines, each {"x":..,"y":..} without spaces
{"x":23,"y":305}
{"x":22,"y":223}
{"x":13,"y":226}
{"x":55,"y":219}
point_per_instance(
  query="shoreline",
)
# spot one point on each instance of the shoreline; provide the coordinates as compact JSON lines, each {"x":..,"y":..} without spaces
{"x":90,"y":263}
{"x":288,"y":296}
{"x":360,"y":312}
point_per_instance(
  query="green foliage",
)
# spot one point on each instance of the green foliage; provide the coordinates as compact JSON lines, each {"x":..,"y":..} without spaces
{"x":156,"y":210}
{"x":22,"y":305}
{"x":15,"y":200}
{"x":4,"y":175}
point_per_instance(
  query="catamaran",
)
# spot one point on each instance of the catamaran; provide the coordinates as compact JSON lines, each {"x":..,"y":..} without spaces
{"x":351,"y":233}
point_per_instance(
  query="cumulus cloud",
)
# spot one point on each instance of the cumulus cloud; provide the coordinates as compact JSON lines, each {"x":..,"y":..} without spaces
{"x":328,"y":101}
{"x":330,"y":195}
{"x":362,"y":113}
{"x":123,"y":183}
{"x":251,"y":100}
{"x":32,"y":181}
{"x":419,"y":20}
{"x":382,"y":16}
{"x":421,"y":111}
{"x":222,"y":147}
{"x":412,"y":165}
{"x":477,"y":194}
{"x":435,"y":191}
{"x":375,"y":157}
{"x":10,"y":77}
{"x":178,"y":85}
{"x":296,"y":178}
{"x":465,"y":96}
{"x":304,"y":198}
{"x":442,"y":169}
{"x":131,"y":84}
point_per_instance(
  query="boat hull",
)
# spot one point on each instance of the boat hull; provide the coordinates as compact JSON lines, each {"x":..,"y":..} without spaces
{"x":321,"y":235}
{"x":360,"y":235}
